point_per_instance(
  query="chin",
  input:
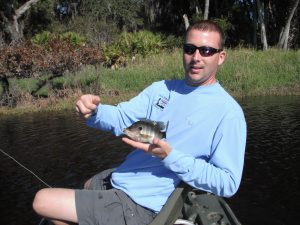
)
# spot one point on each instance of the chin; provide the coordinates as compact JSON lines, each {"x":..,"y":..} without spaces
{"x":193,"y":82}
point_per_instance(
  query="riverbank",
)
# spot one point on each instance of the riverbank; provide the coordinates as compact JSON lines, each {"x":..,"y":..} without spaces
{"x":245,"y":73}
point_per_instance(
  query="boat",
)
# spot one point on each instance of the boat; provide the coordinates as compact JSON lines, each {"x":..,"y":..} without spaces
{"x":187,"y":206}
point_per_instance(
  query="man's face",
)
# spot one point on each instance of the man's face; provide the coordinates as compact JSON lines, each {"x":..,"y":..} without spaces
{"x":201,"y":70}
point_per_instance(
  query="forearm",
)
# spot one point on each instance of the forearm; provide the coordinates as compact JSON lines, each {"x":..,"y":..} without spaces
{"x":203,"y":175}
{"x":116,"y":118}
{"x":108,"y":118}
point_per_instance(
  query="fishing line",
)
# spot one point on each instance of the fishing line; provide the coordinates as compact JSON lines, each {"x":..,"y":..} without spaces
{"x":20,"y":164}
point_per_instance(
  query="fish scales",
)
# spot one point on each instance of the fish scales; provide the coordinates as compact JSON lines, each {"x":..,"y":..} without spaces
{"x":145,"y":131}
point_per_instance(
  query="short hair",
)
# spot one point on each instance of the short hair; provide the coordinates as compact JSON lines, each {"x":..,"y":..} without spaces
{"x":208,"y":25}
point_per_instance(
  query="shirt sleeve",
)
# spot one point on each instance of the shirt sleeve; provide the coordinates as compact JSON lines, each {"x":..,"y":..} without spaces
{"x":221,"y":173}
{"x":116,"y":118}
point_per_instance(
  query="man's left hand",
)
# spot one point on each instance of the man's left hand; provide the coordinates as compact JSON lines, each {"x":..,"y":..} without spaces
{"x":158,"y":147}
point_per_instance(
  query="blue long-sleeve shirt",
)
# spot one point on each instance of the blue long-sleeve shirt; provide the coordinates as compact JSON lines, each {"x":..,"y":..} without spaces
{"x":207,"y":133}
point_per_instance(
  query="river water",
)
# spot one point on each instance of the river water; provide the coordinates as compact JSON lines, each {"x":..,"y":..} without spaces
{"x":64,"y":152}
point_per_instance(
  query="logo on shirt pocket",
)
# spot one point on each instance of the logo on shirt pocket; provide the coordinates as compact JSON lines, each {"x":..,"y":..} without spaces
{"x":161,"y":103}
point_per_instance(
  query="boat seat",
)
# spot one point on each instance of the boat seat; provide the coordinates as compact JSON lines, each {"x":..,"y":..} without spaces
{"x":187,"y":206}
{"x":171,"y":211}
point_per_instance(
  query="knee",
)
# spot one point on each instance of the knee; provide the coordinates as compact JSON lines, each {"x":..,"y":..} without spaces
{"x":39,"y":202}
{"x":87,"y":184}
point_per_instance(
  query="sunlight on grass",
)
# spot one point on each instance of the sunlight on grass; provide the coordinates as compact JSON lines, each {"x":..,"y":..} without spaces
{"x":246,"y":72}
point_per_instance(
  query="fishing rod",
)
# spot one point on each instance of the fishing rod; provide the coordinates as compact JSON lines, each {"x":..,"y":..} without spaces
{"x":43,"y":220}
{"x":24,"y":167}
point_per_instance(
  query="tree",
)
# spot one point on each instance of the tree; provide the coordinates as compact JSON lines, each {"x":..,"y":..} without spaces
{"x":12,"y":28}
{"x":206,"y":9}
{"x":261,"y":13}
{"x":284,"y":35}
{"x":186,"y":21}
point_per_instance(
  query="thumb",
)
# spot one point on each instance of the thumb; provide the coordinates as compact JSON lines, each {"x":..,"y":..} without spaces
{"x":96,"y":100}
{"x":159,"y":142}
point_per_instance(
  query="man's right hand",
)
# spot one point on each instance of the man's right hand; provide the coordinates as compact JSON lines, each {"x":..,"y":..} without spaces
{"x":87,"y":104}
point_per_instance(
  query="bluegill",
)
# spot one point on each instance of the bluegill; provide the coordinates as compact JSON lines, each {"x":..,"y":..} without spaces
{"x":145,"y":130}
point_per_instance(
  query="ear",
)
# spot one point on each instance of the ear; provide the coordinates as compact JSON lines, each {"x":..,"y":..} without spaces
{"x":222,"y":56}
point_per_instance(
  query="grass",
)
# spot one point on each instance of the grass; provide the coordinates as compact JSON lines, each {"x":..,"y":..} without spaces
{"x":246,"y":72}
{"x":143,"y":72}
{"x":273,"y":72}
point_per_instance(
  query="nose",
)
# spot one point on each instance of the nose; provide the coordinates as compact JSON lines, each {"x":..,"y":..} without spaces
{"x":196,"y":56}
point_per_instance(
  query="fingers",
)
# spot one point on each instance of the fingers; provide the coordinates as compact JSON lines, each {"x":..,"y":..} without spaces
{"x":157,"y":141}
{"x":158,"y":147}
{"x":95,"y":99}
{"x":136,"y":144}
{"x":87,"y":104}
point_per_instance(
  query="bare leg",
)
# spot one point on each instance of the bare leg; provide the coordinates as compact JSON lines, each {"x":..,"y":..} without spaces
{"x":87,"y":184}
{"x":58,"y":222}
{"x":58,"y":204}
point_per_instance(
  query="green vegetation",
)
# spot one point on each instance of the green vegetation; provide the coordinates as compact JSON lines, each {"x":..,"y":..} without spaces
{"x":245,"y":73}
{"x":46,"y":37}
{"x":130,"y":45}
{"x":273,"y":72}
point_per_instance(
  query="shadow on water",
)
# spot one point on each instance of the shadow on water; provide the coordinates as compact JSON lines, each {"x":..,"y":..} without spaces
{"x":59,"y":148}
{"x":64,"y":152}
{"x":269,"y":190}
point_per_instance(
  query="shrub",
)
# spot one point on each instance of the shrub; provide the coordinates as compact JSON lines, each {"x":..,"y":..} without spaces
{"x":41,"y":38}
{"x":129,"y":45}
{"x":172,"y":42}
{"x":58,"y":83}
{"x":74,"y":38}
{"x":46,"y":37}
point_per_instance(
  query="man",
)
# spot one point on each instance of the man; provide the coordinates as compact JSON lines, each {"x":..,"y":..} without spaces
{"x":204,"y":145}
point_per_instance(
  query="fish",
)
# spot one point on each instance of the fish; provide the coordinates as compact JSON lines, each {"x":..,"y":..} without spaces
{"x":146,"y":130}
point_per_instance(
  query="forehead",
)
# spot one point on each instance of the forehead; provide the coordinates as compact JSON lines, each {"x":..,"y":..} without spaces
{"x":201,"y":37}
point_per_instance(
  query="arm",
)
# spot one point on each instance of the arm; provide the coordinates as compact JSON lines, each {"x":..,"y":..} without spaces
{"x":116,"y":118}
{"x":221,"y":173}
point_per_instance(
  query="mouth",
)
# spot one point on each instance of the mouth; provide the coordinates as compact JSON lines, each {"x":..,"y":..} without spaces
{"x":196,"y":69}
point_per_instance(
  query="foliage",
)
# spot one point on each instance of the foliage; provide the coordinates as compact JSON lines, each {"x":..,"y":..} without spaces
{"x":101,"y":21}
{"x":126,"y":14}
{"x":41,"y":38}
{"x":246,"y":72}
{"x":223,"y":23}
{"x":45,"y":37}
{"x":130,"y":45}
{"x":45,"y":62}
{"x":172,"y":42}
{"x":39,"y":18}
{"x":74,"y":38}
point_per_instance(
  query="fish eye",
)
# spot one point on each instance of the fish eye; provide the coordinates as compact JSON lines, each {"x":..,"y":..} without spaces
{"x":140,"y":128}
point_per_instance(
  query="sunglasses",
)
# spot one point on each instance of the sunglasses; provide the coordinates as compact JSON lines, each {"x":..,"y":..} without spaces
{"x":204,"y":51}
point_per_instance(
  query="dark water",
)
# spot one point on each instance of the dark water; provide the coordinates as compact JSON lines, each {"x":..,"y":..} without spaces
{"x":64,"y":152}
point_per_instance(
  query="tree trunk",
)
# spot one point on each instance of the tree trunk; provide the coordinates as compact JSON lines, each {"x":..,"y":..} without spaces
{"x":186,"y":21}
{"x":206,"y":10}
{"x":263,"y":34}
{"x":5,"y":85}
{"x":284,"y":35}
{"x":252,"y":16}
{"x":12,"y":28}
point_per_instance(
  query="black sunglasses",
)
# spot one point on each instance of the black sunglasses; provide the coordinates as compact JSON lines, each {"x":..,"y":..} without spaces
{"x":204,"y":51}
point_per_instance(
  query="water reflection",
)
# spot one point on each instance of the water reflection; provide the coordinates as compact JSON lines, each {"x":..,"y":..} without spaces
{"x":59,"y":148}
{"x":63,"y":151}
{"x":269,"y":190}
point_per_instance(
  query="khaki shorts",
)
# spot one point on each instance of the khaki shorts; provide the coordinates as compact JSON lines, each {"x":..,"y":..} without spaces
{"x":103,"y":205}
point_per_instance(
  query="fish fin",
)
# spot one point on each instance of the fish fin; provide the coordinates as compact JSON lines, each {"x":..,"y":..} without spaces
{"x":162,"y":126}
{"x":148,"y":121}
{"x":163,"y":135}
{"x":166,"y":127}
{"x":159,"y":124}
